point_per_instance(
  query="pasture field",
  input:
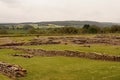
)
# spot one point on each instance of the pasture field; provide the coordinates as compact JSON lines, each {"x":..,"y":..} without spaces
{"x":59,"y":67}
{"x":65,"y":68}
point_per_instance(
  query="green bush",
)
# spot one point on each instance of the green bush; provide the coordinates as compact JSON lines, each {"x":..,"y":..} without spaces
{"x":27,"y":27}
{"x":115,"y":28}
{"x":90,"y":29}
{"x":32,"y":31}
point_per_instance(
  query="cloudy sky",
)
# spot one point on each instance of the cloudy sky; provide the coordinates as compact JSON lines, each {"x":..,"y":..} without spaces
{"x":51,"y":10}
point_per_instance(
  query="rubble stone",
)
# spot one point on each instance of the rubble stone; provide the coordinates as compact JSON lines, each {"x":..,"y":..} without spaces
{"x":23,"y":55}
{"x":98,"y":39}
{"x":11,"y":70}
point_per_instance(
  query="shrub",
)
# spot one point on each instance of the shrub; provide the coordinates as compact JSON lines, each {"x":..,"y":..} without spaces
{"x":32,"y":31}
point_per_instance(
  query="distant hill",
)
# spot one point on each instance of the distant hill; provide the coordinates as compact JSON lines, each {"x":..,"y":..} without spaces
{"x":77,"y":23}
{"x":67,"y":23}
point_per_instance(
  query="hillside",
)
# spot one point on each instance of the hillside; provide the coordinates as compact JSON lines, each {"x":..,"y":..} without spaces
{"x":77,"y":23}
{"x":65,"y":23}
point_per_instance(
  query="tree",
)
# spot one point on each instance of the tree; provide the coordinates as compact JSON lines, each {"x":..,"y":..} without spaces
{"x":32,"y":31}
{"x":27,"y":27}
{"x":105,"y":30}
{"x":90,"y":29}
{"x":3,"y":27}
{"x":68,"y":30}
{"x":115,"y":28}
{"x":13,"y":27}
{"x":94,"y":29}
{"x":85,"y":28}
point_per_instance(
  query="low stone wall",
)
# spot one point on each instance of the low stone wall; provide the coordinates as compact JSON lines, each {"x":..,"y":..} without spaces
{"x":90,"y":55}
{"x":13,"y":44}
{"x":11,"y":70}
{"x":113,"y":40}
{"x":23,"y":55}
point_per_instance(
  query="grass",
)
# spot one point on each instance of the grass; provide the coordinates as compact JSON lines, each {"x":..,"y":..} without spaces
{"x":101,"y":48}
{"x":22,"y":39}
{"x":17,"y":31}
{"x":62,"y":68}
{"x":2,"y":77}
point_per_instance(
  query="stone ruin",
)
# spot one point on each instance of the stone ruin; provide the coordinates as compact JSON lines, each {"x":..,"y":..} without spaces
{"x":41,"y":41}
{"x":11,"y":70}
{"x":23,"y":55}
{"x":98,"y":39}
{"x":14,"y":71}
{"x":90,"y":55}
{"x":114,"y":40}
{"x":13,"y":44}
{"x":108,"y":36}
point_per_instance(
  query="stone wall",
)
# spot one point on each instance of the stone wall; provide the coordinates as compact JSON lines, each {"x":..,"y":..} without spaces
{"x":90,"y":55}
{"x":114,"y":40}
{"x":11,"y":70}
{"x":13,"y":44}
{"x":23,"y":55}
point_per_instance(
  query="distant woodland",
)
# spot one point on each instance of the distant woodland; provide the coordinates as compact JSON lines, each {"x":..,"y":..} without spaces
{"x":49,"y":28}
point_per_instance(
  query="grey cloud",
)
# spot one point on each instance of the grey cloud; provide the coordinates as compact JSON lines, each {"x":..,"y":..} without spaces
{"x":44,"y":10}
{"x":9,"y":1}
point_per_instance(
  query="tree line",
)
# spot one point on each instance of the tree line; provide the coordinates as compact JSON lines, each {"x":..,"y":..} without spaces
{"x":86,"y":29}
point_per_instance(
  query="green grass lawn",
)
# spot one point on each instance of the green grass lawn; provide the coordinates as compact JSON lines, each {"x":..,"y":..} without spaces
{"x":62,"y":68}
{"x":101,"y":48}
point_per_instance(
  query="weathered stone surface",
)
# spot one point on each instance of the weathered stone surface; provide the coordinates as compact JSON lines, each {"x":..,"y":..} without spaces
{"x":11,"y":70}
{"x":114,"y":40}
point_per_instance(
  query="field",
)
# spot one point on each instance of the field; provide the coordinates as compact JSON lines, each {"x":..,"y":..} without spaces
{"x":64,"y":68}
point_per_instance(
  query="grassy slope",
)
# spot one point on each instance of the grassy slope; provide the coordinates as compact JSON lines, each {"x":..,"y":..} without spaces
{"x":63,"y":68}
{"x":101,"y":48}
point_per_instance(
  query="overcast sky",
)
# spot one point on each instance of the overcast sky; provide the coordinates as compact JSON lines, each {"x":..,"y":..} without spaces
{"x":51,"y":10}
